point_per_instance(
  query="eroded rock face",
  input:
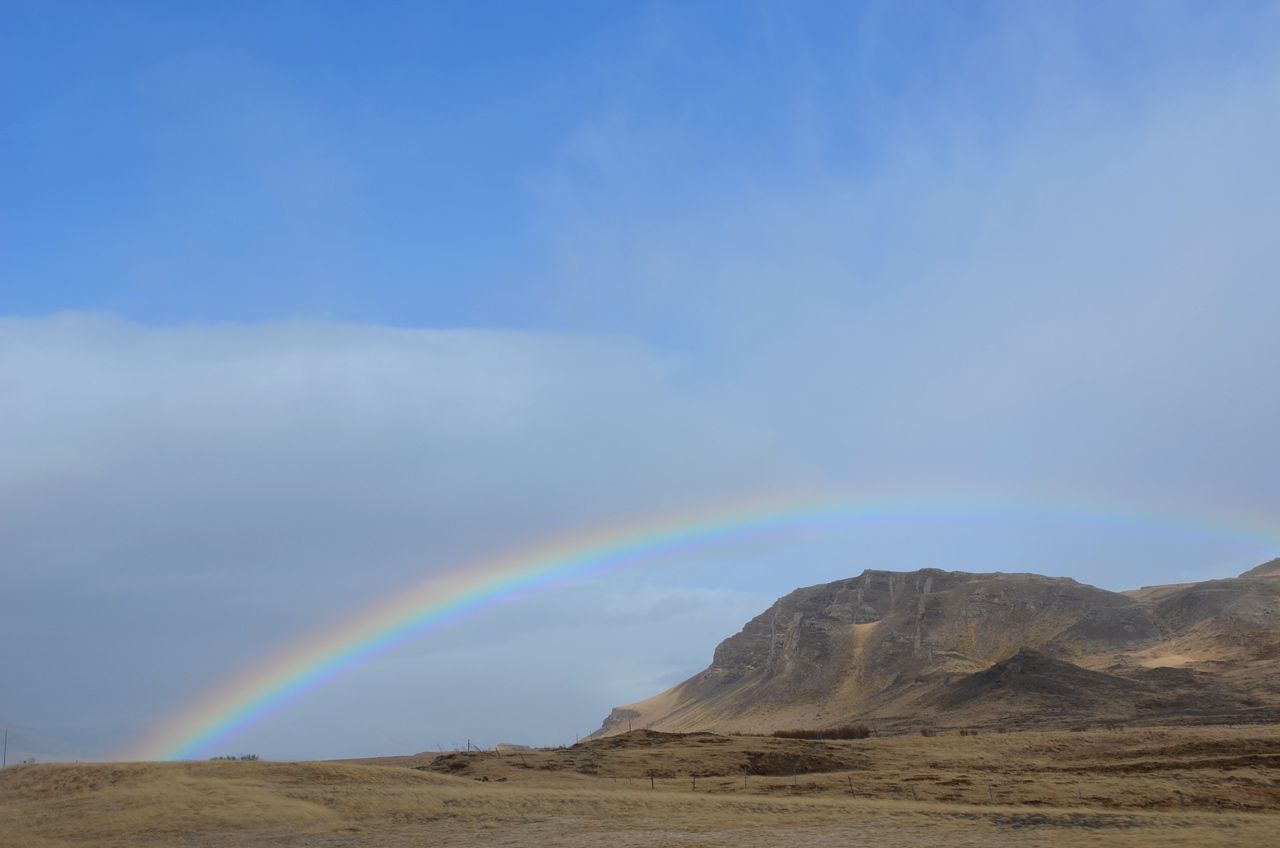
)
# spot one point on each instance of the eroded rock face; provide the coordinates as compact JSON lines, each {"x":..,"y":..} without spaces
{"x":807,"y":644}
{"x":892,"y":643}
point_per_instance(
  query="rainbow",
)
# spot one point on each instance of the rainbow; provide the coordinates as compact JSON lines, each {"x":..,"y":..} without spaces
{"x":449,"y":597}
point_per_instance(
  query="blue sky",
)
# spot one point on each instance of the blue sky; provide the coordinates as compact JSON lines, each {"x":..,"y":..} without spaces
{"x":300,"y":303}
{"x":412,"y":163}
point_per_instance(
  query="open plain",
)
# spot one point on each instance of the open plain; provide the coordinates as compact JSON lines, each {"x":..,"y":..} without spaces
{"x":1167,"y":786}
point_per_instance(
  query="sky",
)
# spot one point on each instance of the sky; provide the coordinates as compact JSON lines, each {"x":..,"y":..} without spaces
{"x":301,"y":304}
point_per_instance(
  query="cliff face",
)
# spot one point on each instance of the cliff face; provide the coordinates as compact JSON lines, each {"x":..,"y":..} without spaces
{"x":895,"y":646}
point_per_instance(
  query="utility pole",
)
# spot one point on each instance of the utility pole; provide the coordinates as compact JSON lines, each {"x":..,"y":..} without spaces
{"x":4,"y":761}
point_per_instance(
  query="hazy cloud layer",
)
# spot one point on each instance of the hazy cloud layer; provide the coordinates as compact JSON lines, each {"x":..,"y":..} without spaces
{"x":173,"y":498}
{"x":1074,"y":302}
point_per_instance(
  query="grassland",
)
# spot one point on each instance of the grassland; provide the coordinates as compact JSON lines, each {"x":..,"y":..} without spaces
{"x":1202,"y":786}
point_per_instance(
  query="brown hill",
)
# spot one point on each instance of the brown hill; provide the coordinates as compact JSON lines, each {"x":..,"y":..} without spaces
{"x":930,"y":647}
{"x":1269,"y":570}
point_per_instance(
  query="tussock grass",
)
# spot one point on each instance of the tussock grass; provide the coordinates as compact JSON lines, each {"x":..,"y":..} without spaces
{"x":1028,"y":789}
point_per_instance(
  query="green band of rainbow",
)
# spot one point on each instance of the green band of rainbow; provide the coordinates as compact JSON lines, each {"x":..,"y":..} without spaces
{"x":441,"y":600}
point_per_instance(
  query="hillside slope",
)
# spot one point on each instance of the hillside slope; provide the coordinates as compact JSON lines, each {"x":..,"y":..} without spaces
{"x":950,"y":647}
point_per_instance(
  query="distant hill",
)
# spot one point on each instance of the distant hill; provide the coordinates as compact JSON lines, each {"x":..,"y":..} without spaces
{"x":951,"y":648}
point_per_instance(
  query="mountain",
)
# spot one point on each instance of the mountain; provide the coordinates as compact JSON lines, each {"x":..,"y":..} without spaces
{"x":995,"y":650}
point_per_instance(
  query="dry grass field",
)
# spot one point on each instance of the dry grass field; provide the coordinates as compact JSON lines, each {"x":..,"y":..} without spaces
{"x":1202,"y":786}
